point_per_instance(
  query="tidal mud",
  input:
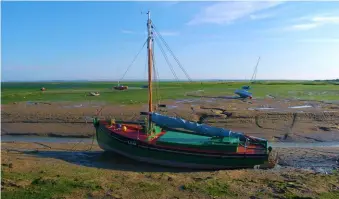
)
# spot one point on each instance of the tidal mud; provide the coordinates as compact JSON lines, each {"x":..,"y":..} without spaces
{"x":280,"y":124}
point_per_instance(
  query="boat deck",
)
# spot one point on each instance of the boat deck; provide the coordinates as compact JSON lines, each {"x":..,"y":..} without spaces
{"x":182,"y":138}
{"x":199,"y":142}
{"x":135,"y":131}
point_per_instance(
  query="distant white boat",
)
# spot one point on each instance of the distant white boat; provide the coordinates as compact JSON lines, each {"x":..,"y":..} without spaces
{"x":94,"y":93}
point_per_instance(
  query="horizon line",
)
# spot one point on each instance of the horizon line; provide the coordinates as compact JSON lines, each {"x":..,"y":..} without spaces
{"x":164,"y":80}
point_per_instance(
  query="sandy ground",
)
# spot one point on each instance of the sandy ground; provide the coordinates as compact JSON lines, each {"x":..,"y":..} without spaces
{"x":119,"y":177}
{"x":272,"y":119}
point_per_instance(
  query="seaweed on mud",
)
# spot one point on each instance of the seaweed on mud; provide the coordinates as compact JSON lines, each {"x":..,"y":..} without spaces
{"x":257,"y":121}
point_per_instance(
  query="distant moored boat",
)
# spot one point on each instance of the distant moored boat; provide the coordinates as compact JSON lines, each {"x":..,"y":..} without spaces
{"x":120,"y":87}
{"x":94,"y":93}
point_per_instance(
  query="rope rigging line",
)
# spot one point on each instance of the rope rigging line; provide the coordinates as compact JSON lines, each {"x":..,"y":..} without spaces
{"x":166,"y":58}
{"x":176,"y":59}
{"x":134,"y":60}
{"x":156,"y":75}
{"x":169,"y":64}
{"x":169,"y":49}
{"x":255,"y":71}
{"x":145,"y":71}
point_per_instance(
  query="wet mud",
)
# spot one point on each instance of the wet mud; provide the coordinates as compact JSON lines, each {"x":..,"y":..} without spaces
{"x":273,"y":119}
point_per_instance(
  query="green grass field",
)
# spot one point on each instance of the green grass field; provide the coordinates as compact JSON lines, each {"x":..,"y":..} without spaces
{"x":78,"y":91}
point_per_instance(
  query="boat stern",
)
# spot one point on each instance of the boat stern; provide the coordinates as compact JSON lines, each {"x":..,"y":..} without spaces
{"x":271,"y":162}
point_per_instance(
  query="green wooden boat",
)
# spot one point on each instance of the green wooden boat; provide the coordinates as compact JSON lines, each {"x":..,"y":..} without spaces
{"x":172,"y":141}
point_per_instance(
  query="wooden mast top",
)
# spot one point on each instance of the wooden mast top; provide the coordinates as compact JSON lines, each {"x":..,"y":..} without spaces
{"x":150,"y":61}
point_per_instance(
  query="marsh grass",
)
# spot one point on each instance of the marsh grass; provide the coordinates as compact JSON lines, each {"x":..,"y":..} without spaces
{"x":330,"y":195}
{"x":35,"y":185}
{"x":34,"y":177}
{"x":210,"y":187}
{"x":78,"y":91}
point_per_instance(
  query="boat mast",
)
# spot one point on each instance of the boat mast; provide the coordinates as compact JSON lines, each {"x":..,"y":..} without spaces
{"x":150,"y":61}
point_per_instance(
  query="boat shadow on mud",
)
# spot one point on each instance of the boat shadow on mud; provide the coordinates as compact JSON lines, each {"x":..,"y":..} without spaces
{"x":214,"y":97}
{"x":113,"y":161}
{"x":319,"y":160}
{"x":317,"y":156}
{"x":106,"y":160}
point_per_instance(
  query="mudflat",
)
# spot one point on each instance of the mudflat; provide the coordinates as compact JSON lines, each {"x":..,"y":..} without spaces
{"x":273,"y":119}
{"x":83,"y":170}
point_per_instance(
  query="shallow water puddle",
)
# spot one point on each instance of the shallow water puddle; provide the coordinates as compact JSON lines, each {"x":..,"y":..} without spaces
{"x":182,"y":101}
{"x":264,"y":108}
{"x":74,"y":106}
{"x":31,"y":103}
{"x":194,"y":100}
{"x":303,"y":106}
{"x":17,"y":138}
{"x":290,"y":107}
{"x":303,"y":144}
{"x":172,"y":107}
{"x":36,"y":103}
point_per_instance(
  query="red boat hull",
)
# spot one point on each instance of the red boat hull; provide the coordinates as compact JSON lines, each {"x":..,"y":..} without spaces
{"x":120,"y":87}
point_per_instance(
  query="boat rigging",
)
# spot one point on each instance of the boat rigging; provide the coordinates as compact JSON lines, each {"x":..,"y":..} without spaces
{"x":243,"y":92}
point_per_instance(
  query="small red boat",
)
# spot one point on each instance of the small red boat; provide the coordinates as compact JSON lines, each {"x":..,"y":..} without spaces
{"x":120,"y":87}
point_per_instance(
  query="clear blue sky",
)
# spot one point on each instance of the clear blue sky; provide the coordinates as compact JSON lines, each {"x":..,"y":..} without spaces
{"x":98,"y":40}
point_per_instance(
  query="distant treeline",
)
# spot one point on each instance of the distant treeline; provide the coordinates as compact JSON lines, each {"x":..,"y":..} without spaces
{"x":315,"y":82}
{"x":329,"y":80}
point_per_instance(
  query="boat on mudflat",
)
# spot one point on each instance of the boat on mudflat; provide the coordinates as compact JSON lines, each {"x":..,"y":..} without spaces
{"x":94,"y":93}
{"x":173,"y":141}
{"x":120,"y":87}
